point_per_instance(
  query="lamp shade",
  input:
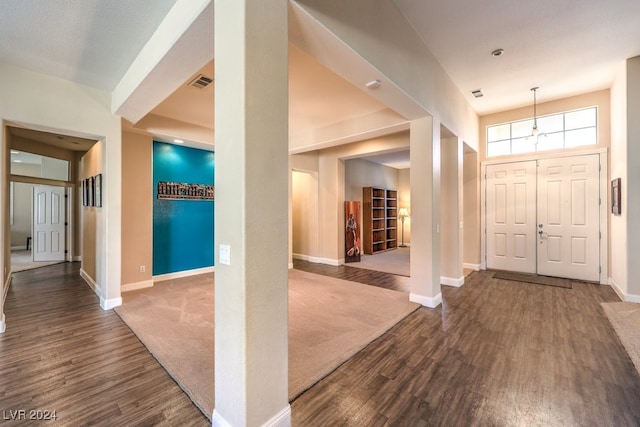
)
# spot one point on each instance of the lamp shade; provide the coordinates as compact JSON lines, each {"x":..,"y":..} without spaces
{"x":403,"y":213}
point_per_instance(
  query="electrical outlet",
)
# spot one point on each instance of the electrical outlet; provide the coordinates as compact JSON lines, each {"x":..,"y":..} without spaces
{"x":142,"y":269}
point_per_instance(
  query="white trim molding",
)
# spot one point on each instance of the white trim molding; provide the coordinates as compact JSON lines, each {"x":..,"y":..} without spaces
{"x":616,"y":288}
{"x":77,"y":258}
{"x":136,"y":285}
{"x":450,"y":281}
{"x":92,"y":284}
{"x":623,"y":296}
{"x":319,"y":260}
{"x":281,"y":419}
{"x":308,"y":258}
{"x":3,"y":324}
{"x":431,"y":302}
{"x":181,"y":274}
{"x":108,"y":304}
{"x":218,"y":420}
{"x":474,"y":267}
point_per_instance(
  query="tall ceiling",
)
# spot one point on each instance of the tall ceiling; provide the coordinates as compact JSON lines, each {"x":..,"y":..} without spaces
{"x":565,"y":48}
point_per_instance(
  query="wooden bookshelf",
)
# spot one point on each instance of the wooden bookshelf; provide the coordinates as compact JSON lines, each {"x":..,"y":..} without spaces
{"x":379,"y":219}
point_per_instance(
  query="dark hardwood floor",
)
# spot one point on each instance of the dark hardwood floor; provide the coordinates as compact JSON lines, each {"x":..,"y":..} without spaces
{"x":61,"y":352}
{"x":354,"y":274}
{"x":496,"y":353}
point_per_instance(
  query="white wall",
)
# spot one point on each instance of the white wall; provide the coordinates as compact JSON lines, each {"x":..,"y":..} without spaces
{"x":631,"y":195}
{"x":618,"y":224}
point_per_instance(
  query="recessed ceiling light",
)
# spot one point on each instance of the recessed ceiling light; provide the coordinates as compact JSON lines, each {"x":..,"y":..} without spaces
{"x":497,"y":52}
{"x":178,"y":141}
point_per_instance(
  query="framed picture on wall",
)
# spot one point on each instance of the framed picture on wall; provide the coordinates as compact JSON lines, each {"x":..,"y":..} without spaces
{"x":90,"y":191}
{"x":616,"y":202}
{"x":98,"y":190}
{"x":83,"y":188}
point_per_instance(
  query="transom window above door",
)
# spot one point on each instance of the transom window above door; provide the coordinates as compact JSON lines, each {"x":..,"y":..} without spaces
{"x":565,"y":130}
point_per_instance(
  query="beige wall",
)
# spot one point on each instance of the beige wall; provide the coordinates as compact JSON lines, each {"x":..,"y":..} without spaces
{"x":305,"y":215}
{"x":404,"y":201}
{"x":451,"y":260}
{"x":90,"y":165}
{"x":137,"y":209}
{"x":601,"y":99}
{"x":471,"y":209}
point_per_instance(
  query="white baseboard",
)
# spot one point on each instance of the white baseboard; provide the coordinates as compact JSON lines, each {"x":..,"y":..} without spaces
{"x":319,"y":260}
{"x":3,"y":324}
{"x":181,"y":274}
{"x":431,"y":302}
{"x":281,"y":419}
{"x":218,"y":420}
{"x":474,"y":267}
{"x":450,"y":281}
{"x":309,"y":258}
{"x":19,"y":248}
{"x":136,"y":285}
{"x":92,"y":284}
{"x":108,"y":304}
{"x":290,"y":265}
{"x":616,"y":288}
{"x":623,"y":296}
{"x":7,"y":283}
{"x":77,"y":258}
{"x":633,"y":298}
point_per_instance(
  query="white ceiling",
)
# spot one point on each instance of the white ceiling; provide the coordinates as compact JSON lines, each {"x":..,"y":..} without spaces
{"x":566,"y":48}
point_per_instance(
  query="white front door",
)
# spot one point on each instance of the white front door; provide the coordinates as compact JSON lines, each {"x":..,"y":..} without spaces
{"x":543,"y":217}
{"x":511,"y":216}
{"x":48,"y":223}
{"x":569,"y":217}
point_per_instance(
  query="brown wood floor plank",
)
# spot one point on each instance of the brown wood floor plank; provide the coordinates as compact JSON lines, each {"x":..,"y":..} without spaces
{"x":62,"y":352}
{"x":495,"y":353}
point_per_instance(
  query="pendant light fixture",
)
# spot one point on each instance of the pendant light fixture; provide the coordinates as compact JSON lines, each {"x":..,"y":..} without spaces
{"x":535,"y":132}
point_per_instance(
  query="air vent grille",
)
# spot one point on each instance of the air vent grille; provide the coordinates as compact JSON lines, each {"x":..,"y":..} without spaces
{"x":201,"y":81}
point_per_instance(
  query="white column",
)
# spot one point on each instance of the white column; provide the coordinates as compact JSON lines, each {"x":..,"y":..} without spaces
{"x":424,"y":141}
{"x":251,"y":213}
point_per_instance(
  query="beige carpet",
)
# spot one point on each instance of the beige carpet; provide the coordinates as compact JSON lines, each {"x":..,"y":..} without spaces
{"x":329,"y":321}
{"x":625,"y":318}
{"x":395,"y":261}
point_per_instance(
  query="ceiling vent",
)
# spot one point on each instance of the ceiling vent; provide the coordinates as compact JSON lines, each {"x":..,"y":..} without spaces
{"x":477,"y":93}
{"x":201,"y":81}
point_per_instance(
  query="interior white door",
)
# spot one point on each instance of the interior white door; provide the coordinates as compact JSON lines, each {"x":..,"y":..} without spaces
{"x":511,"y":216}
{"x":48,"y":223}
{"x":569,"y":217}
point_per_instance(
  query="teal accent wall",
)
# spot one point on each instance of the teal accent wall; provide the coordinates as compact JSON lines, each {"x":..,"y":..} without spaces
{"x":182,"y":229}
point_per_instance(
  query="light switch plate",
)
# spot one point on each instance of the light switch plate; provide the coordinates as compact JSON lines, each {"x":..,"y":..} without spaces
{"x":225,"y":254}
